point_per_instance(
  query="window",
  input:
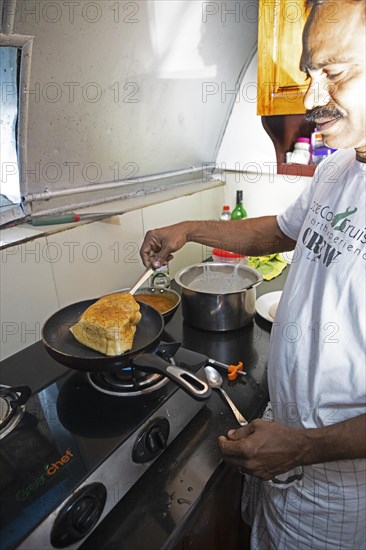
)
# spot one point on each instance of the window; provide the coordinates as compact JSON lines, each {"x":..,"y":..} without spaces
{"x":14,"y":76}
{"x":10,"y":192}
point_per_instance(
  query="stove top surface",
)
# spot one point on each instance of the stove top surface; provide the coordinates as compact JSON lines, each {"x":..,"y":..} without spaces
{"x":67,"y":431}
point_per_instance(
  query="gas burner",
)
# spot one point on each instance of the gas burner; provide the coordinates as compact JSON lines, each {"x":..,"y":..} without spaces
{"x":126,"y":383}
{"x":12,"y":407}
{"x":130,"y":382}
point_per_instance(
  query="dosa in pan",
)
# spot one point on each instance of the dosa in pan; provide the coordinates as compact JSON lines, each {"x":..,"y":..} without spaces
{"x":109,"y":325}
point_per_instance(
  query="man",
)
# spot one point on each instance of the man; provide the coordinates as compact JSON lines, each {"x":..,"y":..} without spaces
{"x":307,"y":482}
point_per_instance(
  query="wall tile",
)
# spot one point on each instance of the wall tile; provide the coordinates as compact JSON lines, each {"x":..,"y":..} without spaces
{"x":169,"y":213}
{"x":97,"y":258}
{"x":212,"y":201}
{"x":28,"y":294}
{"x":264,"y":194}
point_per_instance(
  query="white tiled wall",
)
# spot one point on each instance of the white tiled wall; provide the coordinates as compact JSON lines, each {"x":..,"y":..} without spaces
{"x":41,"y":276}
{"x":97,"y":258}
{"x":28,"y":294}
{"x":264,"y":194}
{"x":205,"y":205}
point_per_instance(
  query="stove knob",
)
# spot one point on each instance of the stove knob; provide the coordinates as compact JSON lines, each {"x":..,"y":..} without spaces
{"x":156,"y":440}
{"x":151,"y":441}
{"x":80,"y":514}
{"x":84,"y":515}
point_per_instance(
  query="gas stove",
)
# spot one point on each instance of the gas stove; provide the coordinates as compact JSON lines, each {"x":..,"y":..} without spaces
{"x":74,"y":448}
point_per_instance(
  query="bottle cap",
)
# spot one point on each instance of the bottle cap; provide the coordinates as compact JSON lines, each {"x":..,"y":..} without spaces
{"x":303,"y":140}
{"x":229,"y":257}
{"x":226,"y":207}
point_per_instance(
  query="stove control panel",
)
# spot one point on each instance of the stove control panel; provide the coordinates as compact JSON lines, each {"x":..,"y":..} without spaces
{"x":151,"y":441}
{"x":79,"y":516}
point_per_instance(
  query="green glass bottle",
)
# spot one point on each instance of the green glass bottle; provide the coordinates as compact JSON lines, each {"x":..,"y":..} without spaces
{"x":239,"y":211}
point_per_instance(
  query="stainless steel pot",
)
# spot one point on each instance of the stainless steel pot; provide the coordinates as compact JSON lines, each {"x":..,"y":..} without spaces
{"x":218,"y":296}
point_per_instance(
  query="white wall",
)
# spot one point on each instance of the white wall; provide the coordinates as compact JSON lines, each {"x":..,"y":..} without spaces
{"x":246,"y":146}
{"x":263,"y":194}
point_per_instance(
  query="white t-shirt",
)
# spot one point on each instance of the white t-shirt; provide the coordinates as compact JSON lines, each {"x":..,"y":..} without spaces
{"x":317,"y":368}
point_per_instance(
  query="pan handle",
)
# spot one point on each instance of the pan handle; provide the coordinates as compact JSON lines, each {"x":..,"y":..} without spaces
{"x":189,"y":382}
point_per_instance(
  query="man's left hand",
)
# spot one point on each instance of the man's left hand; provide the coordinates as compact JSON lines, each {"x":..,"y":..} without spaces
{"x":263,"y":449}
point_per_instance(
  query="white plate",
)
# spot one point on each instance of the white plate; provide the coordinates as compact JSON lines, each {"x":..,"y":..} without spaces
{"x":288,"y":256}
{"x":266,"y":305}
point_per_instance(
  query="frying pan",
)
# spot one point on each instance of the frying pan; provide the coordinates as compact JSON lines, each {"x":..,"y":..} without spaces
{"x":62,"y":346}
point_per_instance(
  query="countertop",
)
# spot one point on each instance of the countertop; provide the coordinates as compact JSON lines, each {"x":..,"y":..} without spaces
{"x":156,"y":511}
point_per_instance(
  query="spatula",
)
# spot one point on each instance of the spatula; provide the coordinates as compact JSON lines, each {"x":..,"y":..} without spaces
{"x":149,"y":271}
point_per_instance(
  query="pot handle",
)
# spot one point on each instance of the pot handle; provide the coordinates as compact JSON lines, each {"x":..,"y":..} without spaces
{"x":254,"y":285}
{"x":189,"y":382}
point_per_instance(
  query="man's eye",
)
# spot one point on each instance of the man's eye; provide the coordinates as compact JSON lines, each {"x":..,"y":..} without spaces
{"x":333,"y":76}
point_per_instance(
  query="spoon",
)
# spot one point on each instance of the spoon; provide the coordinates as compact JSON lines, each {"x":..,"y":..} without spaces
{"x":214,"y":379}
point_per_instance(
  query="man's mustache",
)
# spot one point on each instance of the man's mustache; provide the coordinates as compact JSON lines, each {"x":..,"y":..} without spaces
{"x":327,"y":113}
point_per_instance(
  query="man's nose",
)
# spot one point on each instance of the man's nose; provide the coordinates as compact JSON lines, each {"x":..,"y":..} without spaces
{"x":317,"y":95}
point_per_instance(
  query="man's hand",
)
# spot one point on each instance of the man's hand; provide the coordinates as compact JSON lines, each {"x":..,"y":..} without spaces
{"x":159,"y":245}
{"x":267,"y":449}
{"x":263,"y":449}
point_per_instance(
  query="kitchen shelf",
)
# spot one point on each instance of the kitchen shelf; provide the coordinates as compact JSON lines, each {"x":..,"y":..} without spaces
{"x":283,"y":131}
{"x":296,"y":169}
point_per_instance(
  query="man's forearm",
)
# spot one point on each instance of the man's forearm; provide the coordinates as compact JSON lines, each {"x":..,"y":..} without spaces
{"x":252,"y":236}
{"x":341,"y":441}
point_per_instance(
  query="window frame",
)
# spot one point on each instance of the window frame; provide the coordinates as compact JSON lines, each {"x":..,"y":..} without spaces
{"x":24,"y":43}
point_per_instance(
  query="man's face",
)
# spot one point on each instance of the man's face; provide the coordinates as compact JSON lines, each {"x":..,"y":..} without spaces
{"x":333,"y":56}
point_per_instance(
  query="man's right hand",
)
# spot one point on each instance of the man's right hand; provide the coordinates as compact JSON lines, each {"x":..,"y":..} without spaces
{"x":159,"y":244}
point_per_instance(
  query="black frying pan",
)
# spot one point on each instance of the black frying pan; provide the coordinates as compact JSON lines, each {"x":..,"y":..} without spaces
{"x":62,"y":346}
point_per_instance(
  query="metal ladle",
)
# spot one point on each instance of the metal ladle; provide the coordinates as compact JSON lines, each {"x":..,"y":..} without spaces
{"x":214,"y":379}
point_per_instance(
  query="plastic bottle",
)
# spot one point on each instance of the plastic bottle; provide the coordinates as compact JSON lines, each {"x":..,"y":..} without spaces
{"x":316,"y":140}
{"x":239,"y":211}
{"x":160,"y":278}
{"x":319,"y":151}
{"x":301,"y":152}
{"x":225,"y":214}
